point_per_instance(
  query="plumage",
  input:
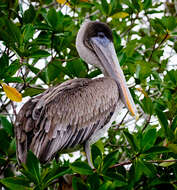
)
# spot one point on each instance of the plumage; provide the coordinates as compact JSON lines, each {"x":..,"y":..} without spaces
{"x":64,"y":111}
{"x":78,"y":111}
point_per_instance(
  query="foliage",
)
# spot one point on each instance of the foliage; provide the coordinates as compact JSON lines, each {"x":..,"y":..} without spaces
{"x":37,"y":41}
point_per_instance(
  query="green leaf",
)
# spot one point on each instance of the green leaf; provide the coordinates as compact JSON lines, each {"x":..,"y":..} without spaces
{"x":5,"y":140}
{"x":13,"y":68}
{"x":106,"y":186}
{"x":157,"y":181}
{"x":137,"y":4}
{"x":9,"y":32}
{"x":97,"y":162}
{"x":113,"y":176}
{"x":96,"y":155}
{"x":110,"y":160}
{"x":147,"y":4}
{"x":122,"y":58}
{"x":100,"y":145}
{"x":54,"y":175}
{"x":55,"y":71}
{"x":29,"y":14}
{"x":157,"y":150}
{"x":158,"y":26}
{"x":94,"y":181}
{"x":81,"y":168}
{"x":164,"y":124}
{"x":169,"y":22}
{"x":150,"y":169}
{"x":33,"y":167}
{"x":118,"y":183}
{"x":105,"y":7}
{"x":52,"y":17}
{"x":94,"y":73}
{"x":78,"y":184}
{"x":174,"y":124}
{"x":139,"y":167}
{"x":15,"y":183}
{"x":173,"y":147}
{"x":143,"y":70}
{"x":149,"y":139}
{"x":6,"y":125}
{"x":130,"y":48}
{"x":4,"y":63}
{"x":32,"y":91}
{"x":28,"y":32}
{"x":147,"y":105}
{"x":12,"y":148}
{"x":77,"y":68}
{"x":13,"y":79}
{"x":39,"y":53}
{"x":131,"y":140}
{"x":171,"y":78}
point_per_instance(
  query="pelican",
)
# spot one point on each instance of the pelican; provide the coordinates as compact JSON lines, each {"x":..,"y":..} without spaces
{"x":79,"y":111}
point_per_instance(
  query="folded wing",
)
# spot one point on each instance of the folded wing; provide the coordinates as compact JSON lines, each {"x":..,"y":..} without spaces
{"x":64,"y":116}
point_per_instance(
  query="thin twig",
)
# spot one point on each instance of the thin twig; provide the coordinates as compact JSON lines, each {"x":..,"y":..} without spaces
{"x":130,"y":27}
{"x":155,"y":48}
{"x":13,"y":107}
{"x":150,"y":161}
{"x":121,"y":164}
{"x":118,"y":125}
{"x":161,"y":161}
{"x":147,"y":122}
{"x":32,"y":79}
{"x":92,"y":14}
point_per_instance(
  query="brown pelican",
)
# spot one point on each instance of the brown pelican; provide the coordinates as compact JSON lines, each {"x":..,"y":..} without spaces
{"x":78,"y":111}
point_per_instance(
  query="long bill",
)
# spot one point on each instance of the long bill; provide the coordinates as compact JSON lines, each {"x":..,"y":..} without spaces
{"x":108,"y":59}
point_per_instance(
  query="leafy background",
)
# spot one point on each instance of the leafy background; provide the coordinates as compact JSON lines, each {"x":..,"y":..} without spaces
{"x":37,"y":50}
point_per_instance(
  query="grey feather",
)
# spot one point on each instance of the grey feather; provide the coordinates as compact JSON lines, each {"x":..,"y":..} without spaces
{"x":64,"y":116}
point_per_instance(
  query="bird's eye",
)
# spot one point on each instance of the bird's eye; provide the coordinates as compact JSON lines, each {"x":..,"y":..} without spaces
{"x":101,"y":34}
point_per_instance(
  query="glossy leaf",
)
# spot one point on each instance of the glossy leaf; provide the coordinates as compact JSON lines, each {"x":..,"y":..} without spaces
{"x":173,"y":147}
{"x":52,"y":17}
{"x":105,"y":7}
{"x":32,"y":91}
{"x":157,"y":150}
{"x":6,"y":125}
{"x":39,"y":53}
{"x":15,"y":183}
{"x":164,"y":124}
{"x":110,"y":160}
{"x":28,"y":32}
{"x":32,"y":167}
{"x":149,"y":139}
{"x":147,"y":4}
{"x":131,"y":140}
{"x":81,"y":168}
{"x":78,"y":184}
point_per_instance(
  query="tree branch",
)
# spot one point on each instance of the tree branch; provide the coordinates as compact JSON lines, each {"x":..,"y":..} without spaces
{"x":128,"y":162}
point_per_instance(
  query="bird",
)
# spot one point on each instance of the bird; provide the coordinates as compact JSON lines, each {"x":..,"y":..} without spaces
{"x":78,"y":112}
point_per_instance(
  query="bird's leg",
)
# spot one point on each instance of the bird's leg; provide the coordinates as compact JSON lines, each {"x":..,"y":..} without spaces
{"x":87,"y":148}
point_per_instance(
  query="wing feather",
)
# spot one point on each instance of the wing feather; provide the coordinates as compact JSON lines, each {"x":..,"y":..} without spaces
{"x":64,"y":116}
